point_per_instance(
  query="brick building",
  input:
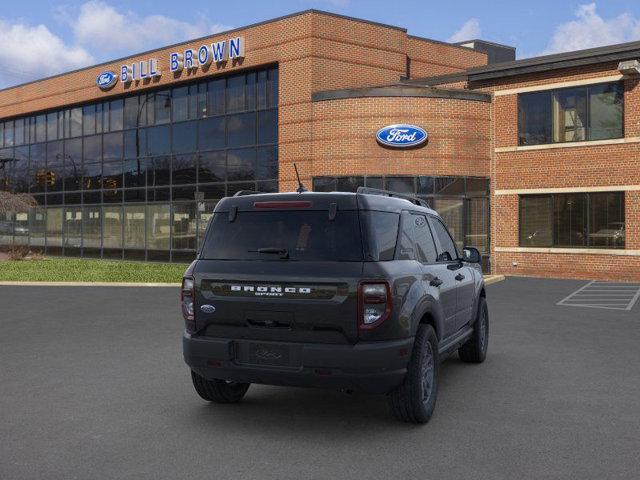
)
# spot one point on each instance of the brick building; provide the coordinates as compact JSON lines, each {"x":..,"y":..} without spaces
{"x":531,"y":161}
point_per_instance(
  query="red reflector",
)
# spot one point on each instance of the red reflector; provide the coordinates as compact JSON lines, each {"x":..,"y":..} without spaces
{"x":290,"y":204}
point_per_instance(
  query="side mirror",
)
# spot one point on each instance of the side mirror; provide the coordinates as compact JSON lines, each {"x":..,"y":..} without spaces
{"x":471,"y":255}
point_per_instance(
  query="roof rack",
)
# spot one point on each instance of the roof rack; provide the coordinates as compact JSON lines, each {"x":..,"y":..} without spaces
{"x":387,"y":193}
{"x":242,"y":193}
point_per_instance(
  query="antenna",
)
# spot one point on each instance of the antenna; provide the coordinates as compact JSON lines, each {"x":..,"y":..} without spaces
{"x":300,"y":188}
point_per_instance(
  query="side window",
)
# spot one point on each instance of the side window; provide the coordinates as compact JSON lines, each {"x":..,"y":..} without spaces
{"x":447,"y":251}
{"x":425,"y":246}
{"x":406,"y":243}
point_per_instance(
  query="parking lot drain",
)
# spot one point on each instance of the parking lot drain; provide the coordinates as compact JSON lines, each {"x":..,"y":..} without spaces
{"x":612,"y":296}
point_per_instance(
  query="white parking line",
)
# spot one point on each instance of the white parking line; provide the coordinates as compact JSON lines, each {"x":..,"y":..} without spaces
{"x":612,"y":296}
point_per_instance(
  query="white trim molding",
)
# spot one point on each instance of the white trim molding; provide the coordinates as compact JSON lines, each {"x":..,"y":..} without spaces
{"x":539,"y":191}
{"x":574,"y":251}
{"x":547,"y":146}
{"x":551,"y":86}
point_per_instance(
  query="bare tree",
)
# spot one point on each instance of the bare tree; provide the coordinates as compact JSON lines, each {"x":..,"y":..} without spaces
{"x":16,"y":202}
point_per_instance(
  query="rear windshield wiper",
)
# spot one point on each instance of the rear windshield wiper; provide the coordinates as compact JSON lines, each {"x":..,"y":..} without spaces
{"x":283,"y":252}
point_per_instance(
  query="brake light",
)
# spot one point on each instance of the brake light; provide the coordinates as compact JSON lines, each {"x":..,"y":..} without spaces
{"x":374,"y":304}
{"x":283,"y":204}
{"x":187,"y":298}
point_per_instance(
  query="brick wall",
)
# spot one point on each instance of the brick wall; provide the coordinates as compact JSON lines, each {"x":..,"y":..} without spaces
{"x":615,"y":164}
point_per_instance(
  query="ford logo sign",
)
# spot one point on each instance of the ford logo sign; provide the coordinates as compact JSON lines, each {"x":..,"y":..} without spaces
{"x":106,"y":80}
{"x":207,"y":308}
{"x":401,"y":136}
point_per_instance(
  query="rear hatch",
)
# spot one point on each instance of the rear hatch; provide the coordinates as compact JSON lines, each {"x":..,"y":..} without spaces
{"x":285,"y":270}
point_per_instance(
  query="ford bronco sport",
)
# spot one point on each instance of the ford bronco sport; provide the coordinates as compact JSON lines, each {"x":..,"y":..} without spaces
{"x":358,"y":291}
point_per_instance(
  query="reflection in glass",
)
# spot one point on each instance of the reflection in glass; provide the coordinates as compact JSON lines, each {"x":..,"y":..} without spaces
{"x":158,"y":227}
{"x":134,"y":226}
{"x":92,"y":227}
{"x":184,"y":226}
{"x":54,"y":227}
{"x":112,"y":227}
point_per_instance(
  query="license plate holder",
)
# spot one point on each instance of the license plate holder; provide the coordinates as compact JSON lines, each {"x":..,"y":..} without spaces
{"x":271,"y":354}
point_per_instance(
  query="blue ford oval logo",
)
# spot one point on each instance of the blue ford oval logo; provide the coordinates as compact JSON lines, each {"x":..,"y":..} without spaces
{"x":106,"y":80}
{"x":207,"y":308}
{"x":401,"y":136}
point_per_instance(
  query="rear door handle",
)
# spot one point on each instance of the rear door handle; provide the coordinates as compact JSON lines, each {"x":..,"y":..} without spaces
{"x":436,"y":282}
{"x":459,"y":277}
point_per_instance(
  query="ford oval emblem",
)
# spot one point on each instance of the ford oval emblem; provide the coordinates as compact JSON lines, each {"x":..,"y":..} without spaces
{"x":106,"y":80}
{"x":207,"y":308}
{"x":401,"y":136}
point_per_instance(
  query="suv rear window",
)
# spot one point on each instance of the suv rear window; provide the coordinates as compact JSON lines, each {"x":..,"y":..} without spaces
{"x":304,"y":235}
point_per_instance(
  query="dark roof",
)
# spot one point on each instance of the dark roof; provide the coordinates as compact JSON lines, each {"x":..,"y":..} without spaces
{"x":609,"y":53}
{"x":400,"y":90}
{"x":495,"y":44}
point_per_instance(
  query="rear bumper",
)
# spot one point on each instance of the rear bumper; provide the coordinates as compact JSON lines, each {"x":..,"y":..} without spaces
{"x":372,"y":367}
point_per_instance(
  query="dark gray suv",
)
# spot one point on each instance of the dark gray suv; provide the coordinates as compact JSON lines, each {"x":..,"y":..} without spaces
{"x":358,"y":291}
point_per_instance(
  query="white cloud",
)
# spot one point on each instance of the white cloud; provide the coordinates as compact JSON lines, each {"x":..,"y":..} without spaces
{"x":469,"y":31}
{"x":104,"y":29}
{"x":98,"y":32}
{"x":591,"y":30}
{"x":28,"y":52}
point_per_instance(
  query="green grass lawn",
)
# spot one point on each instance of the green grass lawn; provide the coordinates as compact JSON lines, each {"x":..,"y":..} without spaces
{"x":84,"y":270}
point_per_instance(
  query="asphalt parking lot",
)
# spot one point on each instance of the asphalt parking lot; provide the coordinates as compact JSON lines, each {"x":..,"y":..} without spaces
{"x":92,"y":385}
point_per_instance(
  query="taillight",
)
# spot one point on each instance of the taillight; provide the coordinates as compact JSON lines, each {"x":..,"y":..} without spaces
{"x":186,"y":298}
{"x":374,"y":304}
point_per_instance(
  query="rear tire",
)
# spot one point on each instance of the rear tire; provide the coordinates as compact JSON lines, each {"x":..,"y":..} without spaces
{"x":475,"y":349}
{"x":219,"y":391}
{"x":415,"y":400}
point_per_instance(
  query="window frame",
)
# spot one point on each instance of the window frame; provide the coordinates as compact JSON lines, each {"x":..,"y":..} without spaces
{"x":552,"y":93}
{"x":588,"y":196}
{"x":439,"y":247}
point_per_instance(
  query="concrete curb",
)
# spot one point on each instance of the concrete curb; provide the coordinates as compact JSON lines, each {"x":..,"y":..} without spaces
{"x":88,"y":284}
{"x":489,"y":279}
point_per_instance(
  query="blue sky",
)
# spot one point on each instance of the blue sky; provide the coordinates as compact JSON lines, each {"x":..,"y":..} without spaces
{"x":43,"y":37}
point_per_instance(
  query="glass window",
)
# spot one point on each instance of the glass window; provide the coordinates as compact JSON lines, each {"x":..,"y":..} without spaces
{"x":235,"y":93}
{"x":184,"y":137}
{"x":54,"y":227}
{"x":135,"y":143}
{"x":158,"y":227}
{"x":72,"y":164}
{"x":112,"y":145}
{"x":75,"y":122}
{"x":241,"y":130}
{"x":571,"y":114}
{"x":37,"y":226}
{"x":159,"y":140}
{"x":268,"y":126}
{"x":570,"y":219}
{"x":374,"y":182}
{"x":477,"y":233}
{"x":452,"y":213}
{"x":162,"y":107}
{"x":52,"y":126}
{"x":261,"y":89}
{"x":41,"y":129}
{"x":19,"y":131}
{"x":305,"y":235}
{"x":211,"y":133}
{"x":400,"y":184}
{"x":324,"y":184}
{"x":134,"y":226}
{"x":111,"y":175}
{"x":8,"y":134}
{"x":267,"y":163}
{"x":381,"y":234}
{"x":350,"y":184}
{"x":112,"y":235}
{"x":406,"y":240}
{"x":215,"y":96}
{"x":425,"y":185}
{"x":250,"y":91}
{"x":426,"y":248}
{"x":159,"y":171}
{"x":184,"y":226}
{"x":130,"y":115}
{"x":21,"y":169}
{"x":212,"y":167}
{"x":89,"y":120}
{"x":180,"y":103}
{"x":272,"y":88}
{"x":447,"y":248}
{"x":606,"y":106}
{"x":135,"y":173}
{"x":183,"y":169}
{"x":116,"y":118}
{"x":92,"y":227}
{"x":449,"y":186}
{"x":536,"y":221}
{"x":241,"y":164}
{"x":92,"y":149}
{"x":606,"y":220}
{"x":73,"y":227}
{"x":477,"y":187}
